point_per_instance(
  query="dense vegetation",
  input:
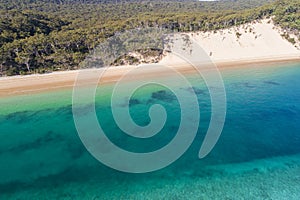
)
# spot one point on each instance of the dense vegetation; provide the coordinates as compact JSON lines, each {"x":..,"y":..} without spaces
{"x":38,"y":36}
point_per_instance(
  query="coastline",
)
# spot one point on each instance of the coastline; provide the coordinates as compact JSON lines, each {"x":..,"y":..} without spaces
{"x":30,"y":84}
{"x":259,"y":44}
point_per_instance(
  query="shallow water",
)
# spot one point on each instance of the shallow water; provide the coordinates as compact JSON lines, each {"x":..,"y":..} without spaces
{"x":257,"y":156}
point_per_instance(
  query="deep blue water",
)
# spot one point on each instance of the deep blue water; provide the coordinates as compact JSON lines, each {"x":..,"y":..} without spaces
{"x":40,"y":149}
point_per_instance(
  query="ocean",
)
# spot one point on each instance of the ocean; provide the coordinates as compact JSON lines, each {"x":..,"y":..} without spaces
{"x":256,"y":157}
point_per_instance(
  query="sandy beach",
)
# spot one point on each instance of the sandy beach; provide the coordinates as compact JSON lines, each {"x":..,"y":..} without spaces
{"x":257,"y":44}
{"x":19,"y":85}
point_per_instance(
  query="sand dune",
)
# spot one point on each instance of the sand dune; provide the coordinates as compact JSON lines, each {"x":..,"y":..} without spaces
{"x":257,"y":41}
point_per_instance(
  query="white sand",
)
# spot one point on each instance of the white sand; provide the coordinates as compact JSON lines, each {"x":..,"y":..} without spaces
{"x":259,"y":41}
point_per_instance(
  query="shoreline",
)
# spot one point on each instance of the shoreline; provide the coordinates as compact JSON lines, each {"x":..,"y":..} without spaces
{"x":260,"y":44}
{"x":37,"y":83}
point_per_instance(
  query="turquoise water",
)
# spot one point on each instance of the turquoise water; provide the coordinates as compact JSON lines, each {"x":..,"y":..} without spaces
{"x":257,"y":156}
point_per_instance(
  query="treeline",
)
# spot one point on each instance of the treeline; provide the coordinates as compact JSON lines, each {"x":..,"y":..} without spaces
{"x":44,"y":36}
{"x":287,"y":14}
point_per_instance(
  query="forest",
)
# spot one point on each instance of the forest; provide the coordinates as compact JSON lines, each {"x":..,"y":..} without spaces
{"x":40,"y":36}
